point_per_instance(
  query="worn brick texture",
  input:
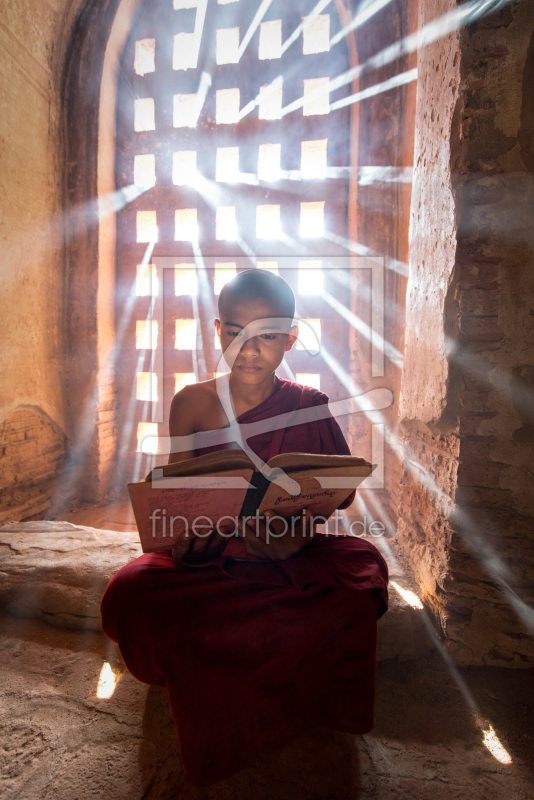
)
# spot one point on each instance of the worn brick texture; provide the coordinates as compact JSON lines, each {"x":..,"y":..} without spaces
{"x":32,"y":453}
{"x":467,"y":505}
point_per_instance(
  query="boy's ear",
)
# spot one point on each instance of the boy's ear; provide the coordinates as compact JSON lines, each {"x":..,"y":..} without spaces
{"x":292,"y":337}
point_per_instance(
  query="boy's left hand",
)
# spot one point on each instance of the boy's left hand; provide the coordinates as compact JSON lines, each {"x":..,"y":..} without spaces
{"x":271,"y":540}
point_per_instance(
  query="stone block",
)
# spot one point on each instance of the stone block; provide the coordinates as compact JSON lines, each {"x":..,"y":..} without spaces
{"x":481,"y":329}
{"x":58,"y":571}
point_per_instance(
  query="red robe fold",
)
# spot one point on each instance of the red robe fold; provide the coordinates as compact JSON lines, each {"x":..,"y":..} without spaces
{"x":253,"y":652}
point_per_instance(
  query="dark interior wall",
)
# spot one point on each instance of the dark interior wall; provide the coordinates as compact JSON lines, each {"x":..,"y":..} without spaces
{"x":466,"y":506}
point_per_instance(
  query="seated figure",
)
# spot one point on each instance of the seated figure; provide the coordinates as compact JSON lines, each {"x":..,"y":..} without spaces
{"x":254,"y":638}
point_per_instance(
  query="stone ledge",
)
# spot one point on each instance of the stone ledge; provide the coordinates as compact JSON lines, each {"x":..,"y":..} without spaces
{"x":58,"y":571}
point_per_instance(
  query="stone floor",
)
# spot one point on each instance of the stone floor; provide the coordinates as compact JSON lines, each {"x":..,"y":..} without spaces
{"x":58,"y":740}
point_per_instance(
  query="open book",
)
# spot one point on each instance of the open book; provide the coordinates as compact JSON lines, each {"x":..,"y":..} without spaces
{"x":224,"y":486}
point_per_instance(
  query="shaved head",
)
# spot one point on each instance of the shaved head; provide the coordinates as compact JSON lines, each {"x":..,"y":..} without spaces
{"x":258,"y":285}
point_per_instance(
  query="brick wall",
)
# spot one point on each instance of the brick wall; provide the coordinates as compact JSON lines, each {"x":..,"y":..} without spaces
{"x":467,"y":505}
{"x":32,"y":451}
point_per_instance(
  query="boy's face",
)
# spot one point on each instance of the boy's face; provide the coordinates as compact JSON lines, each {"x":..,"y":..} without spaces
{"x":260,"y":355}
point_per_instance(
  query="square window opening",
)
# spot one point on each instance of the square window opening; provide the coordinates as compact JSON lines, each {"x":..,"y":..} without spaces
{"x":227,"y":46}
{"x":146,"y":280}
{"x":316,"y":34}
{"x":146,"y":334}
{"x":223,"y":273}
{"x":185,"y":334}
{"x":270,"y":40}
{"x":269,"y":162}
{"x":268,"y":222}
{"x":225,"y":223}
{"x":184,"y":111}
{"x":185,"y":280}
{"x":145,"y":56}
{"x":270,"y":101}
{"x":144,"y":114}
{"x":312,"y":220}
{"x":185,"y":225}
{"x":147,"y":226}
{"x":227,"y":165}
{"x":227,"y":106}
{"x":313,"y":159}
{"x":310,"y":277}
{"x":184,"y":167}
{"x":145,"y":171}
{"x":316,"y":96}
{"x":147,"y":387}
{"x":183,"y":54}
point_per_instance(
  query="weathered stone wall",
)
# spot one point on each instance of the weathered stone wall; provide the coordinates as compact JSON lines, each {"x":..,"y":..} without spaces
{"x":467,"y":507}
{"x":32,"y":452}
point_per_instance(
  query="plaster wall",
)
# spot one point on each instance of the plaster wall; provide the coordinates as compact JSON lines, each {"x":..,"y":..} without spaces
{"x":31,"y":274}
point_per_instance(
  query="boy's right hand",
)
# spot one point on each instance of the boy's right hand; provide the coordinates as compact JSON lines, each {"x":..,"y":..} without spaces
{"x":209,"y":543}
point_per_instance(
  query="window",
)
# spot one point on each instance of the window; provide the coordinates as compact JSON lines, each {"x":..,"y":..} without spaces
{"x":146,"y":280}
{"x":223,"y":274}
{"x":227,"y":105}
{"x":270,"y":103}
{"x":269,"y":162}
{"x":316,"y":34}
{"x":227,"y":164}
{"x":147,"y":387}
{"x":268,"y":222}
{"x":144,"y":114}
{"x":185,"y":280}
{"x":231,"y":143}
{"x":185,"y":225}
{"x":184,"y":56}
{"x":316,"y":96}
{"x":227,"y":48}
{"x":270,"y":39}
{"x":184,"y":110}
{"x":145,"y":56}
{"x":184,"y":167}
{"x":225,"y":223}
{"x":146,"y":334}
{"x":145,"y":171}
{"x":313,"y":159}
{"x":147,"y":226}
{"x":186,"y":334}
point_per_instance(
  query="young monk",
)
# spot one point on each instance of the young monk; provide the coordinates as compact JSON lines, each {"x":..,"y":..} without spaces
{"x":254,"y":638}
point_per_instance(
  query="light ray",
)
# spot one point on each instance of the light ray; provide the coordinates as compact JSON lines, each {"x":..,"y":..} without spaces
{"x":321,"y":5}
{"x":367,"y":11}
{"x":398,"y":80}
{"x":391,"y":352}
{"x":260,"y":13}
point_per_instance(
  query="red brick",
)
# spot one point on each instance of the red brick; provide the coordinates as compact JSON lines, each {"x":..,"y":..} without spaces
{"x":480,"y":329}
{"x":478,"y":473}
{"x":481,"y":302}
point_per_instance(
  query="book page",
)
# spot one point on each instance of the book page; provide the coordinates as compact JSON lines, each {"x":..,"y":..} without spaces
{"x":317,"y":500}
{"x":164,"y":514}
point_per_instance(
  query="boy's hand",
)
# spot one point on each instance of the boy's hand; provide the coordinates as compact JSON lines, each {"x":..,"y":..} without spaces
{"x":208,"y":543}
{"x":275,"y":539}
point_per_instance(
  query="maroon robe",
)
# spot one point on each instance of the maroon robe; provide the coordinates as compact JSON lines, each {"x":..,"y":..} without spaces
{"x":252,"y":653}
